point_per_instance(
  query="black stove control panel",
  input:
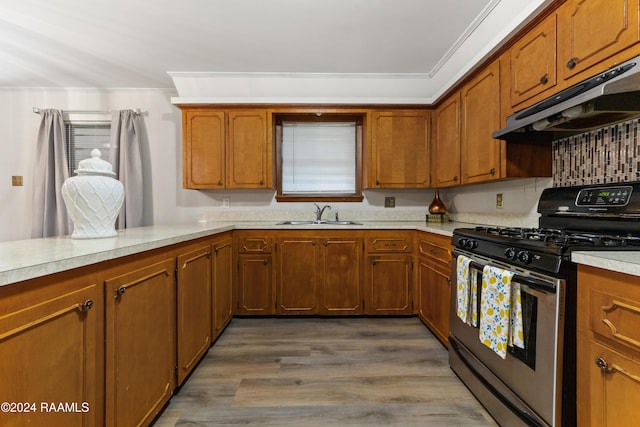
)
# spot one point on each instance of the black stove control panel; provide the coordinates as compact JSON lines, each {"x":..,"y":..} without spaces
{"x":605,"y":196}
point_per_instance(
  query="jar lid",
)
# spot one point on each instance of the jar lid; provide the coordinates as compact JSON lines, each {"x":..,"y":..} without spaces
{"x":95,"y":165}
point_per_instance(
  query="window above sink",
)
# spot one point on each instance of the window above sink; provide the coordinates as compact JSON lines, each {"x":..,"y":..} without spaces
{"x":319,"y":157}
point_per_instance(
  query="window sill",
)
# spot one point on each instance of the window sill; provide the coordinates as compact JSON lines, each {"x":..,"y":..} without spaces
{"x":318,"y":198}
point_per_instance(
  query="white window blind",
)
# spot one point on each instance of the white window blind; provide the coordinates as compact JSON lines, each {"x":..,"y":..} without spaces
{"x":82,"y":137}
{"x":319,"y":158}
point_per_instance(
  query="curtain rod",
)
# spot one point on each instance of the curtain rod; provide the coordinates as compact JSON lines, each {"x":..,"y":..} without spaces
{"x":135,"y":110}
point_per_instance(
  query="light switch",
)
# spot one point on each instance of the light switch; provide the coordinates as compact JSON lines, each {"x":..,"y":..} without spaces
{"x":16,"y":180}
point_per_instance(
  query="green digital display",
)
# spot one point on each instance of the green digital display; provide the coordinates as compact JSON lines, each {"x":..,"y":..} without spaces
{"x":603,"y":194}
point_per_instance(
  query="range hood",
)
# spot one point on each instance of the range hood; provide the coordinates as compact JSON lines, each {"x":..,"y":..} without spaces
{"x":604,"y":99}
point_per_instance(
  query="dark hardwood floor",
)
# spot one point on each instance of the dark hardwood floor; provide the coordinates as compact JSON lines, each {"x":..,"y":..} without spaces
{"x":324,"y":372}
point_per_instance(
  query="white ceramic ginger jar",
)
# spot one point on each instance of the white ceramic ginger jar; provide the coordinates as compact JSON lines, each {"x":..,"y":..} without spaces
{"x":93,"y":198}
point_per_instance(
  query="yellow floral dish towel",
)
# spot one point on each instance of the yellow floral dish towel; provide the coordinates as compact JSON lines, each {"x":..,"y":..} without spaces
{"x":495,"y":304}
{"x":462,"y":287}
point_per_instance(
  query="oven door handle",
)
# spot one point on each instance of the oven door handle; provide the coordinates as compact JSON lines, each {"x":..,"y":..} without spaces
{"x":532,"y":282}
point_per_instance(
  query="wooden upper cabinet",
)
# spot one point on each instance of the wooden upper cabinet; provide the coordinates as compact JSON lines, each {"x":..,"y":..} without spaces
{"x":399,"y":153}
{"x":532,"y":64}
{"x":226,"y":149}
{"x":591,"y":32}
{"x":445,"y":159}
{"x":203,"y":149}
{"x":480,"y":107}
{"x":248,"y":159}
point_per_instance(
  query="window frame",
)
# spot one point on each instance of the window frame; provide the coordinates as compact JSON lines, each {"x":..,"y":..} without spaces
{"x":358,"y":118}
{"x":77,"y":121}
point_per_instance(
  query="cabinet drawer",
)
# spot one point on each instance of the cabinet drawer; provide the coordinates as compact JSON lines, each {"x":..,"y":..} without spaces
{"x":615,"y":318}
{"x":435,"y":250}
{"x":255,"y":245}
{"x":388,"y":244}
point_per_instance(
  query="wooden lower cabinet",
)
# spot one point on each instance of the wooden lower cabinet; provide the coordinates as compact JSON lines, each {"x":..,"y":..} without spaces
{"x":340,"y":291}
{"x":387,"y":285}
{"x":51,"y":347}
{"x":434,"y":283}
{"x":298,"y":275}
{"x":608,"y":348}
{"x":222,"y":284}
{"x":388,"y":272}
{"x":140,"y":345}
{"x":254,"y":276}
{"x":193,"y":306}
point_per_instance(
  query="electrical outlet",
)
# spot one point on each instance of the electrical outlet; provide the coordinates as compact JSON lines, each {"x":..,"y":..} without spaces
{"x":499,"y":200}
{"x":16,"y":181}
{"x":389,"y":202}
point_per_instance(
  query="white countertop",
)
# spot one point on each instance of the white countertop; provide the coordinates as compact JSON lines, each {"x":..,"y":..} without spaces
{"x":627,"y":262}
{"x":26,"y":259}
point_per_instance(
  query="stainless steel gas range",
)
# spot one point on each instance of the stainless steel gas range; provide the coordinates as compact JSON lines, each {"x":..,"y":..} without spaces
{"x":512,"y":339}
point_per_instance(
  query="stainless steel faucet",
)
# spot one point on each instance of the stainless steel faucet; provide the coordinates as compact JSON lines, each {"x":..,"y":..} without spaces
{"x":320,"y":211}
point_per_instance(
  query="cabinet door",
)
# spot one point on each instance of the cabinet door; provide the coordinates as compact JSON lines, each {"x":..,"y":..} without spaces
{"x":248,"y":159}
{"x":222,"y":291}
{"x":297,"y":276}
{"x":254,"y":285}
{"x":193,"y":308}
{"x":203,"y":149}
{"x":590,"y":31}
{"x":533,"y":63}
{"x":445,"y":162}
{"x":341,"y":281}
{"x":388,"y":284}
{"x":140,"y":341}
{"x":51,"y":335}
{"x":613,"y":388}
{"x":400,"y":149}
{"x":434,"y":295}
{"x":480,"y":118}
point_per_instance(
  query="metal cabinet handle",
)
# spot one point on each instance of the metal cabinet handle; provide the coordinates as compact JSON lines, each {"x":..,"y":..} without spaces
{"x":326,"y":243}
{"x":609,"y":369}
{"x":544,"y":79}
{"x":261,"y":182}
{"x":373,"y":261}
{"x":455,"y":178}
{"x":313,"y":243}
{"x":219,"y":182}
{"x":492,"y":171}
{"x":265,"y":261}
{"x":216,"y":250}
{"x":571,"y":63}
{"x":120,"y":291}
{"x":86,"y":306}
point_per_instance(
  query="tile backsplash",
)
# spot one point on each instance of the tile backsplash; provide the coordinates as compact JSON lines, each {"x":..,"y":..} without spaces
{"x":610,"y":154}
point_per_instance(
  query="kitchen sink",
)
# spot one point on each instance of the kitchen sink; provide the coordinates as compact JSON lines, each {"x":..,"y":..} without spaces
{"x":319,"y":223}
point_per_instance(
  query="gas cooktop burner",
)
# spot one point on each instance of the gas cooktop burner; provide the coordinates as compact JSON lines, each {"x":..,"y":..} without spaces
{"x":564,"y":238}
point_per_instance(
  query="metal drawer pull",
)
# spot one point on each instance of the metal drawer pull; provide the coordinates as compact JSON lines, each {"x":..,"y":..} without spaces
{"x":121,"y":290}
{"x":609,"y":369}
{"x":86,"y":306}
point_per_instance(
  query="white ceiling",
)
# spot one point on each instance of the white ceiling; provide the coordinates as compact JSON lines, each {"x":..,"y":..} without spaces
{"x":134,"y":43}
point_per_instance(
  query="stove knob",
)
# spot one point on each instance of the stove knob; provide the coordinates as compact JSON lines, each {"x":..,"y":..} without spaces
{"x":472,"y":244}
{"x":510,"y":253}
{"x":524,"y":256}
{"x":462,"y":243}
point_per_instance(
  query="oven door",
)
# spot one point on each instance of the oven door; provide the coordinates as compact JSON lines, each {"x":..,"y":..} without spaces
{"x":527,"y":382}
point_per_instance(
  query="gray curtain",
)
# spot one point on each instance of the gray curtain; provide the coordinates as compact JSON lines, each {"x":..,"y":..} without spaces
{"x":49,"y":211}
{"x":127,"y":164}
